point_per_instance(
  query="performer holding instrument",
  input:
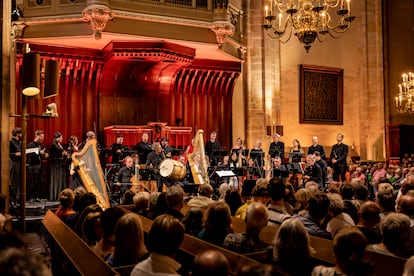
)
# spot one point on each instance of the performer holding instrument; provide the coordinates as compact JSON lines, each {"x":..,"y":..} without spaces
{"x":153,"y":163}
{"x":126,"y":175}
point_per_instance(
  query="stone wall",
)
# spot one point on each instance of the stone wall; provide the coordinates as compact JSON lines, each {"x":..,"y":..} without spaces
{"x":272,"y":91}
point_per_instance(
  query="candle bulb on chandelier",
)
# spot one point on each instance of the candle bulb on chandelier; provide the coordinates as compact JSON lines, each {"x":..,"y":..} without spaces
{"x":396,"y":101}
{"x":342,"y":4}
{"x":280,"y":20}
{"x":266,"y":11}
{"x":348,"y":3}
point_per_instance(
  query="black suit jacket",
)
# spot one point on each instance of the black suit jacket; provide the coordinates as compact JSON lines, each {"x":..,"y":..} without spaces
{"x":277,"y":149}
{"x":339,"y":152}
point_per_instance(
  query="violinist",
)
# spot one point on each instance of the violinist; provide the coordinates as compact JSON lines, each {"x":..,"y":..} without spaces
{"x":126,"y":174}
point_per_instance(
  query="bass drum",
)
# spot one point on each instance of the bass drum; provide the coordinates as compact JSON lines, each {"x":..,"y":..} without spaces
{"x":172,"y":169}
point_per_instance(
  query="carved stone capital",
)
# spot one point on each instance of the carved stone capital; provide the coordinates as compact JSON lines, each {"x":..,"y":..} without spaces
{"x":222,"y":30}
{"x":97,"y":16}
{"x":18,"y":29}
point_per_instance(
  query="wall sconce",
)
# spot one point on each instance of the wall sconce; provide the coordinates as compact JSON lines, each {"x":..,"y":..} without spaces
{"x":51,"y":87}
{"x":31,"y":74}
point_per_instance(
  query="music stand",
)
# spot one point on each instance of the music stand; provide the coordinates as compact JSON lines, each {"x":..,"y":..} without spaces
{"x":258,"y":157}
{"x":237,"y":171}
{"x":296,"y":157}
{"x":226,"y":173}
{"x":176,"y":152}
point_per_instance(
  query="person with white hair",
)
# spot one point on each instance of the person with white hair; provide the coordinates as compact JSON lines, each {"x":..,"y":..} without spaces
{"x":316,"y":147}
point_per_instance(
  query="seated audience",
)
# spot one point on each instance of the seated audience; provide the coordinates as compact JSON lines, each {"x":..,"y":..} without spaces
{"x":92,"y":231}
{"x":395,"y":228}
{"x":66,"y":199}
{"x":259,"y":194}
{"x":347,"y":192}
{"x":233,"y":200}
{"x":216,"y":223}
{"x":94,"y":208}
{"x":209,"y":263}
{"x":21,"y":262}
{"x":248,"y":242}
{"x":204,"y":197}
{"x":369,"y":221}
{"x":386,"y":202}
{"x":338,"y":219}
{"x":109,"y":218}
{"x":164,"y":238}
{"x":409,"y":267}
{"x":175,"y":201}
{"x":129,"y":242}
{"x":141,"y":203}
{"x":314,"y":219}
{"x":349,"y":249}
{"x":277,"y":210}
{"x":292,"y":251}
{"x":302,"y":196}
{"x":223,"y":190}
{"x":193,"y":221}
{"x":128,"y":198}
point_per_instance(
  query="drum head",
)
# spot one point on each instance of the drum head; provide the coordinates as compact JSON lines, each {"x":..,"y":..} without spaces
{"x":166,"y":167}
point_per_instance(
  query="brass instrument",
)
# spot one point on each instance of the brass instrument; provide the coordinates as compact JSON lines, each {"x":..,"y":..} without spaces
{"x":199,"y":171}
{"x":90,"y":171}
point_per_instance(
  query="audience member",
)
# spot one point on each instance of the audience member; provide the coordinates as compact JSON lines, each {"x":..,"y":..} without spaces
{"x":277,"y":210}
{"x":292,"y":250}
{"x":314,"y":219}
{"x":165,"y":237}
{"x":66,"y":199}
{"x":349,"y":249}
{"x":193,"y":221}
{"x":109,"y":218}
{"x":409,"y":267}
{"x":369,"y":220}
{"x":339,"y":219}
{"x":91,"y":229}
{"x":347,"y":192}
{"x":395,"y":228}
{"x":22,"y":262}
{"x":209,"y":263}
{"x":141,"y":203}
{"x":129,"y":242}
{"x":248,"y":242}
{"x":233,"y":200}
{"x":204,"y":197}
{"x":259,"y":194}
{"x":217,"y":223}
{"x":302,"y":196}
{"x":386,"y":202}
{"x":175,"y":201}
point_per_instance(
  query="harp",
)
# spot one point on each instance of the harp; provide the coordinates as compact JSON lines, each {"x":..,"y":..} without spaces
{"x":90,"y":171}
{"x":197,"y":160}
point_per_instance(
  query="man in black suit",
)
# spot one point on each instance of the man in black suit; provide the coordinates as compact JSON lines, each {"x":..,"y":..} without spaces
{"x":339,"y":154}
{"x":323,"y":165}
{"x":277,"y":148}
{"x":316,"y":147}
{"x":211,"y":147}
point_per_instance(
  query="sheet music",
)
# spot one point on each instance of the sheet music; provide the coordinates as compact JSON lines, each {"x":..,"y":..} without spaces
{"x":225,"y":173}
{"x":32,"y":150}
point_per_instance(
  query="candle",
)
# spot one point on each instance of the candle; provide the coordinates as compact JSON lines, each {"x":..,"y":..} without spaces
{"x":342,"y":4}
{"x":280,"y":20}
{"x":400,"y":98}
{"x":396,"y":101}
{"x":348,"y":2}
{"x":271,"y":7}
{"x":400,"y":88}
{"x":266,"y":11}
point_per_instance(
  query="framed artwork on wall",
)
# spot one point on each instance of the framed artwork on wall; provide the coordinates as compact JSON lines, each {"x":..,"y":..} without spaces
{"x":321,"y":95}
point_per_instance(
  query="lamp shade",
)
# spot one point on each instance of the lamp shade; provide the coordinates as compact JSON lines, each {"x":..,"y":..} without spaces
{"x":51,"y":87}
{"x":31,"y":74}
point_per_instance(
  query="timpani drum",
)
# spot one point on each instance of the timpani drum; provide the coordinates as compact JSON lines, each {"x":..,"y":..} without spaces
{"x":172,"y":169}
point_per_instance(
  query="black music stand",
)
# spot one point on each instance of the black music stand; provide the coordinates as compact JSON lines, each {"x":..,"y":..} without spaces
{"x":176,"y":152}
{"x":258,"y":157}
{"x":296,"y":157}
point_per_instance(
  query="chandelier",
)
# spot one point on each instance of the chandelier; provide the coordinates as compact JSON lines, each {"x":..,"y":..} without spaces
{"x":404,"y":102}
{"x":307,"y":19}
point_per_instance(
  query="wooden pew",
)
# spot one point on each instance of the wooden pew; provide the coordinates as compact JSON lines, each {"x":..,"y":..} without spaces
{"x":77,"y":251}
{"x":193,"y":246}
{"x":323,"y":251}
